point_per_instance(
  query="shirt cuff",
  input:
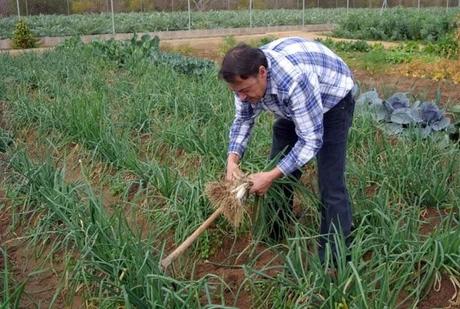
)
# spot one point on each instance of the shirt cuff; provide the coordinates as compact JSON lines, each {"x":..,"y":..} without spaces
{"x":237,"y":149}
{"x":287,"y":166}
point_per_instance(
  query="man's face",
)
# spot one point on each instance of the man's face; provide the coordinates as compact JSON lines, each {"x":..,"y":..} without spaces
{"x":251,"y":89}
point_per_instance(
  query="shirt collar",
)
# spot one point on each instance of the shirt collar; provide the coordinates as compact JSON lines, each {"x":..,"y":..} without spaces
{"x":271,"y":87}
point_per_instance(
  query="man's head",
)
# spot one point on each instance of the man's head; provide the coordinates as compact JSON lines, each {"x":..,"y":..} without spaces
{"x":245,"y":70}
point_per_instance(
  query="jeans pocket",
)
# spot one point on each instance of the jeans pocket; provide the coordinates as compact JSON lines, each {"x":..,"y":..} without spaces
{"x":337,"y":121}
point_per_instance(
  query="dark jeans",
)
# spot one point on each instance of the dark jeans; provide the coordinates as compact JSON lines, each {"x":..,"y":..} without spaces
{"x":335,"y":201}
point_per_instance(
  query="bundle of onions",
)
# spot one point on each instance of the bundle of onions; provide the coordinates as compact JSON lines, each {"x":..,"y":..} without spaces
{"x":227,"y":198}
{"x":230,"y":198}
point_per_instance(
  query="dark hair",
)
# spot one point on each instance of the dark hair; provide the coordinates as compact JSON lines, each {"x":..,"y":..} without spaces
{"x":243,"y":61}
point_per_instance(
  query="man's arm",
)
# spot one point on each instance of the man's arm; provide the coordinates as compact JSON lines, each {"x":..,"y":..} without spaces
{"x":233,"y":168}
{"x":307,"y":115}
{"x":240,"y":133}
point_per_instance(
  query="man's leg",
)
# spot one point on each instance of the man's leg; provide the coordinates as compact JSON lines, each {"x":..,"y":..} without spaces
{"x":283,"y":139}
{"x":335,"y":208}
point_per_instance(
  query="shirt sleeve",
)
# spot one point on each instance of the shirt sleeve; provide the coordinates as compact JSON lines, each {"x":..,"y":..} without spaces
{"x":241,"y":128}
{"x":307,"y":115}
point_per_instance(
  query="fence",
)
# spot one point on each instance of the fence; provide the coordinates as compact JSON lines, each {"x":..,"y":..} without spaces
{"x":188,"y":9}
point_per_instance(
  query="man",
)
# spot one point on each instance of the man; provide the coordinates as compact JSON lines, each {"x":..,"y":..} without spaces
{"x":308,"y":88}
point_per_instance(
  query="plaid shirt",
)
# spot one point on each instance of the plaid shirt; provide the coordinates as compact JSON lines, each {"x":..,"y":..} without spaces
{"x":305,"y":80}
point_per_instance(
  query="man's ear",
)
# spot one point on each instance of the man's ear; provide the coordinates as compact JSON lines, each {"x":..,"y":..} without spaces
{"x":262,"y":71}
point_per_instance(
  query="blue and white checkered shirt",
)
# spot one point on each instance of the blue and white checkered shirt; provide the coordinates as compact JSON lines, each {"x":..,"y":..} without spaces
{"x":305,"y":80}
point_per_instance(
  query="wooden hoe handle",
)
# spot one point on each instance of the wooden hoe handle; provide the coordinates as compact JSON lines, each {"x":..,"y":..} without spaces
{"x":183,"y":246}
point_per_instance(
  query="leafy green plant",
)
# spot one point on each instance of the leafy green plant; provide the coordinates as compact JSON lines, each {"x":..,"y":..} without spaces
{"x":266,"y":39}
{"x":396,"y":113}
{"x":6,"y":140}
{"x":10,"y":292}
{"x":397,"y":24}
{"x":227,"y":43}
{"x":454,"y":129}
{"x":346,"y":46}
{"x":128,"y":52}
{"x":22,"y":36}
{"x":447,"y":46}
{"x":85,"y":24}
{"x":148,"y":49}
{"x":71,"y":43}
{"x":183,"y":64}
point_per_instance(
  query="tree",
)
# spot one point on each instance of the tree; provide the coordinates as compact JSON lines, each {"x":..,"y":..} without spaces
{"x":201,"y":4}
{"x":3,"y":7}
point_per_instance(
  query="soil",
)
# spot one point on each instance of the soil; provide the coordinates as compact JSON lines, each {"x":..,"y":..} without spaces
{"x":228,"y":264}
{"x":443,"y":295}
{"x":431,"y":218}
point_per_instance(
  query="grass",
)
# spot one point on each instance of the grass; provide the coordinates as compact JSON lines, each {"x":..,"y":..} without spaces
{"x":11,"y":291}
{"x":377,"y":59}
{"x":144,"y":121}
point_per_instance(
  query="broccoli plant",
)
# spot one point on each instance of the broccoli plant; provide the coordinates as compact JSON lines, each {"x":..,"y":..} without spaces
{"x":129,"y":52}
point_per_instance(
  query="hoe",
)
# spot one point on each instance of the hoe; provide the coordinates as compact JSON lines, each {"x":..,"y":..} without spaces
{"x":228,"y":198}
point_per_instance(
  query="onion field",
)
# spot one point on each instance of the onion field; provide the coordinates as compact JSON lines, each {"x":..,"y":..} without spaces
{"x":106,"y":149}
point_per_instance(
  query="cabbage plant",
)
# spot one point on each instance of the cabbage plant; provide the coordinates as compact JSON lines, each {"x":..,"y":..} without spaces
{"x":396,"y":113}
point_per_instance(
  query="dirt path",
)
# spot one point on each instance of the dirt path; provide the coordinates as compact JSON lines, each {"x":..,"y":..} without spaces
{"x":203,"y":45}
{"x":228,"y":264}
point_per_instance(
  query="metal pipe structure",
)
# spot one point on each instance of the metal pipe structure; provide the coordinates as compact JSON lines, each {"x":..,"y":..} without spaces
{"x":250,"y":13}
{"x":113,"y":18}
{"x":189,"y":16}
{"x":303,"y":13}
{"x":384,"y":6}
{"x":17,"y":4}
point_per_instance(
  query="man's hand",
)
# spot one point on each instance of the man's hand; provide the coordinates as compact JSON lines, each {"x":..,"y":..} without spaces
{"x":261,"y":182}
{"x":233,"y":169}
